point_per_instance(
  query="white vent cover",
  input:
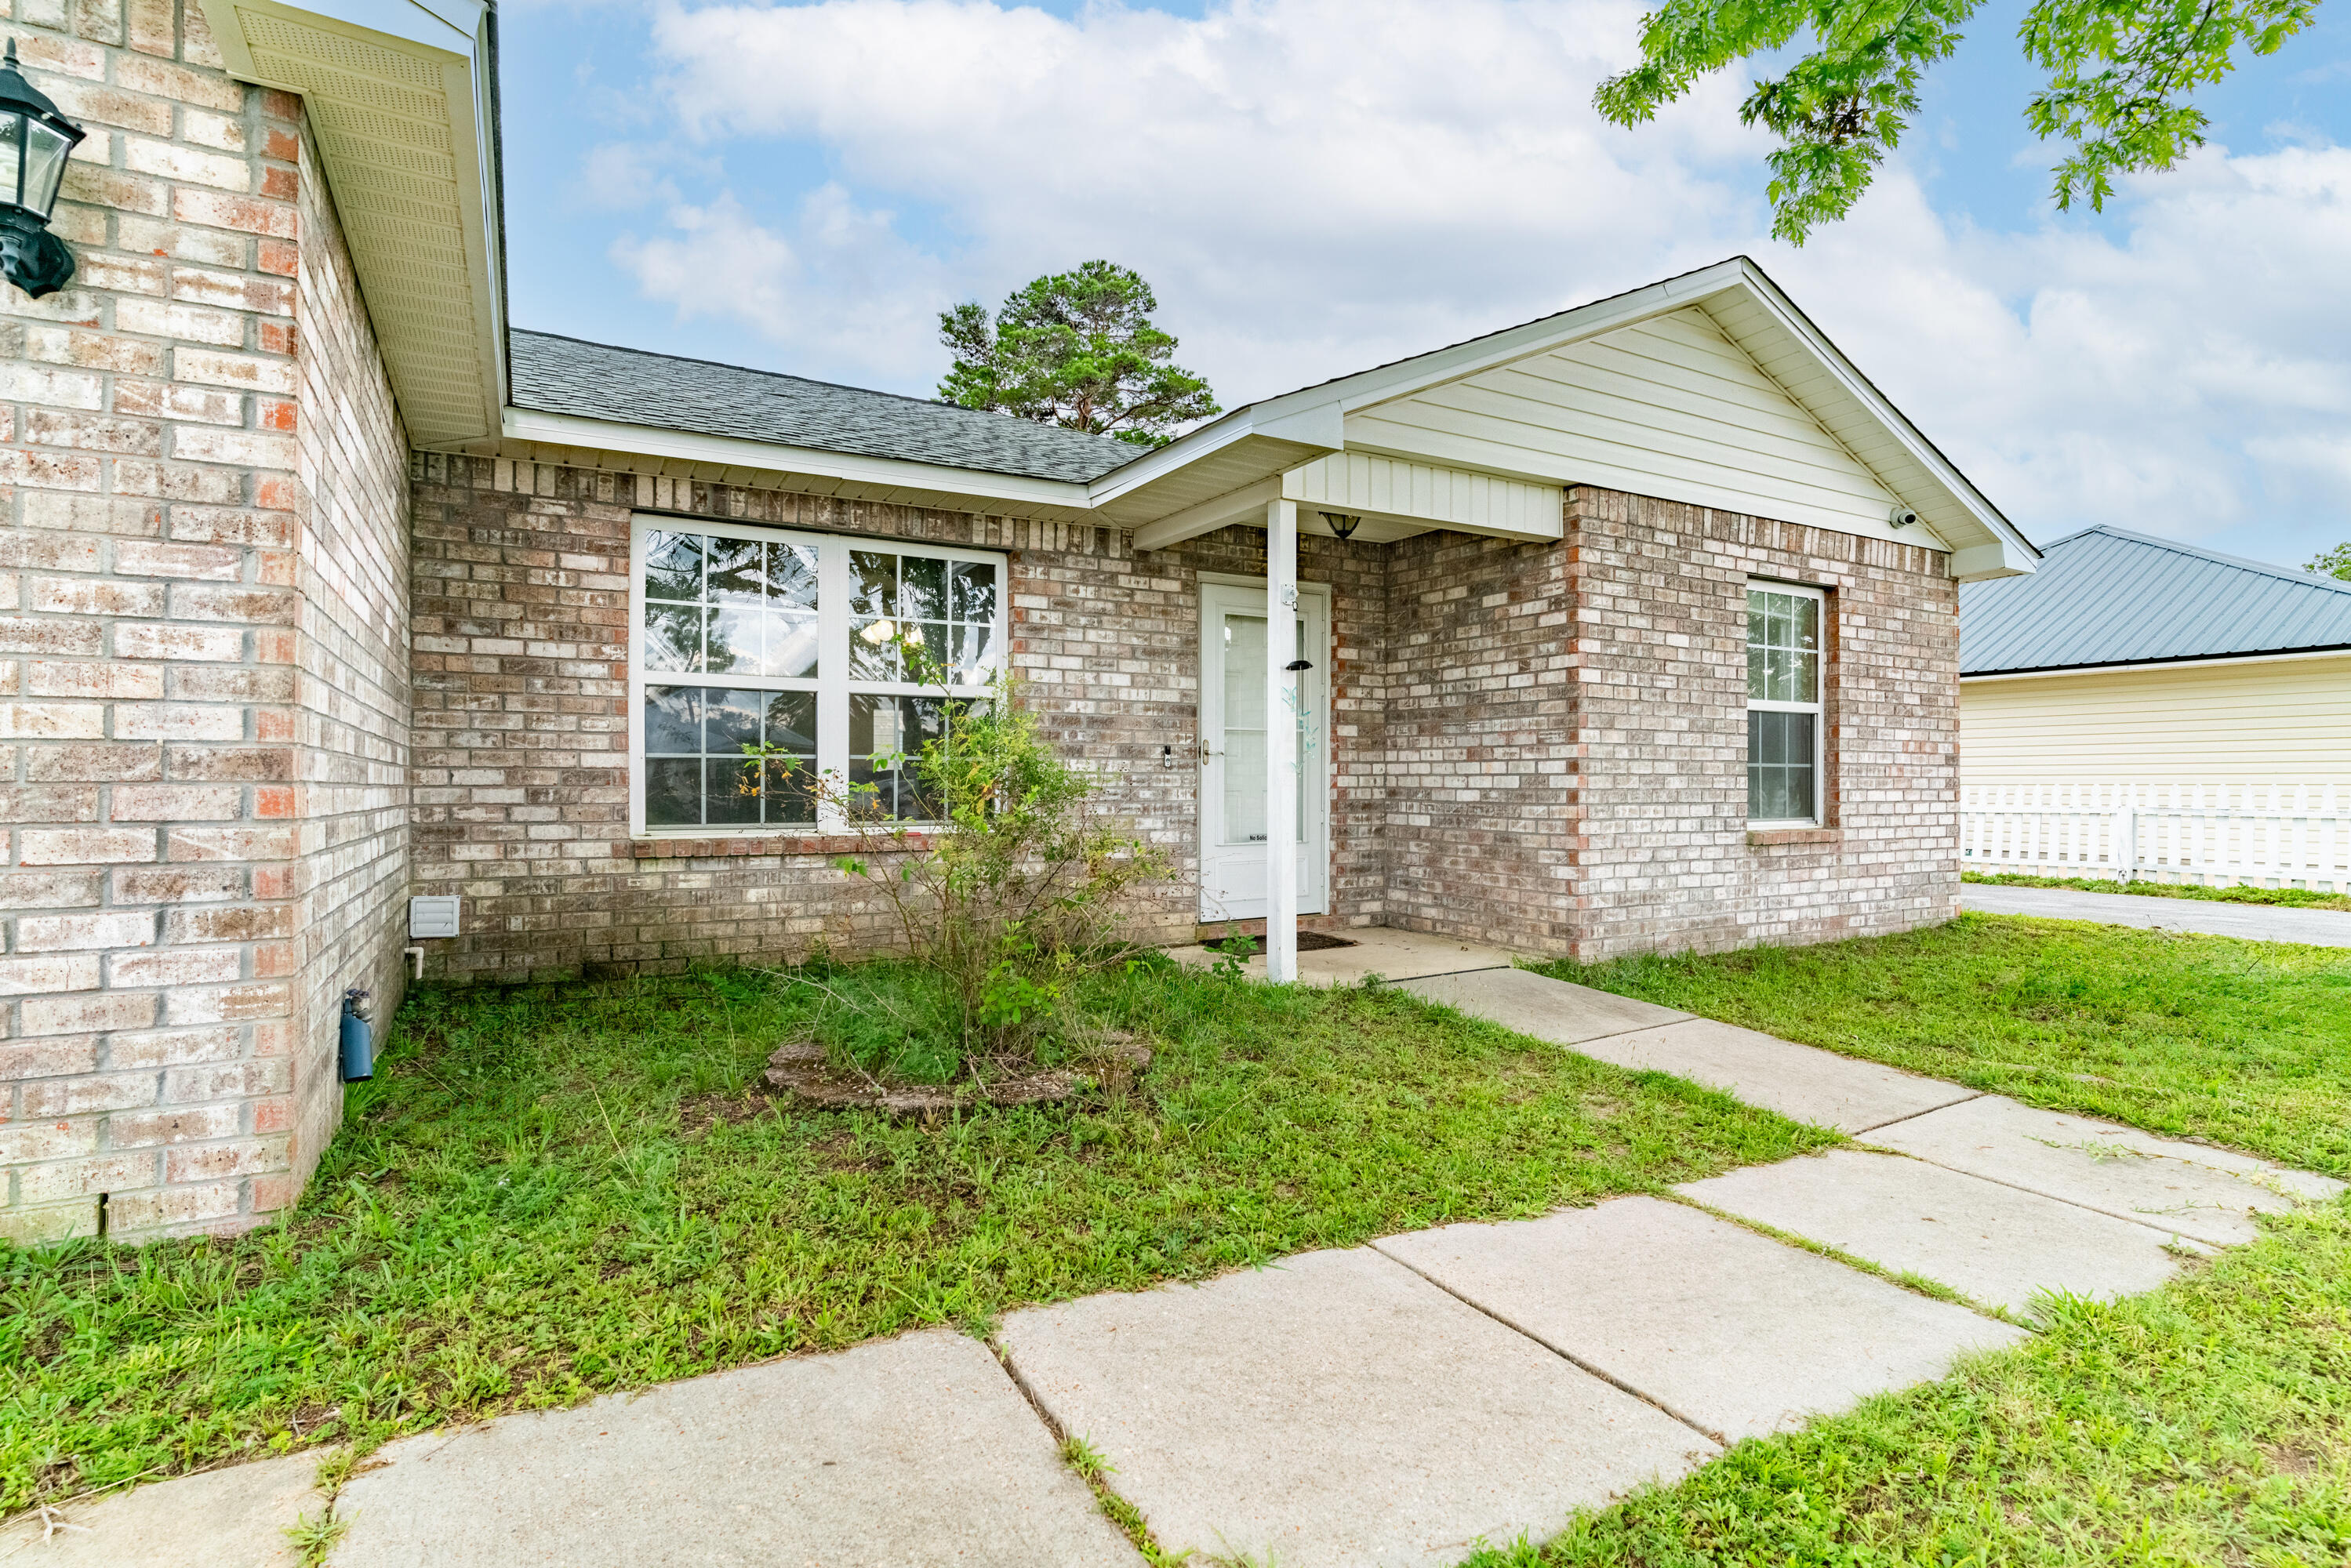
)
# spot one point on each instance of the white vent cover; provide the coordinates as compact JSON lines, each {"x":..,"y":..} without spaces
{"x":432,"y":917}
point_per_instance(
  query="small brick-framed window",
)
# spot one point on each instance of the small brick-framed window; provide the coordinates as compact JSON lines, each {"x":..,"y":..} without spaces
{"x":1786,"y":728}
{"x":794,"y":643}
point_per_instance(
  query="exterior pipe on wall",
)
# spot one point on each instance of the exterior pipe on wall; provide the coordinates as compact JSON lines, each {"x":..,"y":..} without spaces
{"x":1280,"y":742}
{"x":358,"y":1040}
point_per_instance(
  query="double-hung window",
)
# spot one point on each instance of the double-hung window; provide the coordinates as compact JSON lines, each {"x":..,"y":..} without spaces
{"x":1784,"y":726}
{"x":795,"y":646}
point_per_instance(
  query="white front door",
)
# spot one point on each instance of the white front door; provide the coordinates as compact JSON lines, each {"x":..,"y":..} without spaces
{"x":1233,"y":750}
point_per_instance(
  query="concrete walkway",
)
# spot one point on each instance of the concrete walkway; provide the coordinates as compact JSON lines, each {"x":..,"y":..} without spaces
{"x":1390,"y":1405}
{"x":2254,"y":921}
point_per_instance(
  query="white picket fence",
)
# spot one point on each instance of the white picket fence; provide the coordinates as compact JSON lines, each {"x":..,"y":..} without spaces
{"x":2217,"y":834}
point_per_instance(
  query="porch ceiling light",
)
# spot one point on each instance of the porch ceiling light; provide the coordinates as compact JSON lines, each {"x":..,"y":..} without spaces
{"x":35,"y":142}
{"x":1341,"y":524}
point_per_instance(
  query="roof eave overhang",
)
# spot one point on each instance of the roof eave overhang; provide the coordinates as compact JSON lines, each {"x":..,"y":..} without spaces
{"x":401,"y":99}
{"x":1243,"y":448}
{"x":1139,"y":494}
{"x":2001,"y":550}
{"x":574,"y":441}
{"x":2131,"y":667}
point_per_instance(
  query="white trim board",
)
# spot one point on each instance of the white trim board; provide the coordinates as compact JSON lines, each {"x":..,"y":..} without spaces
{"x":2216,"y":662}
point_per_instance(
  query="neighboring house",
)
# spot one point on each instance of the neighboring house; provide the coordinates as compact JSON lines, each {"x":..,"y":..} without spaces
{"x":2127,"y":659}
{"x":1633,"y":627}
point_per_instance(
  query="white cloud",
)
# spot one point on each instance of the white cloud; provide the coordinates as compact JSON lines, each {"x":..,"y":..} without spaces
{"x":1308,"y":183}
{"x":2191,"y":378}
{"x":1318,"y":185}
{"x":841,"y":287}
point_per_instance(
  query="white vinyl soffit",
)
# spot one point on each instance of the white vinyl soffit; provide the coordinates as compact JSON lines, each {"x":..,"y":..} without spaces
{"x":398,"y":98}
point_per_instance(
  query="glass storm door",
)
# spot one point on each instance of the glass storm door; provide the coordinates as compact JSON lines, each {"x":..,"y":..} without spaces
{"x":1233,"y":824}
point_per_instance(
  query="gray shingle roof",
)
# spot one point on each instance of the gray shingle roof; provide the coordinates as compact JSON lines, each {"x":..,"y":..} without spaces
{"x":2106,"y":596}
{"x":596,"y":381}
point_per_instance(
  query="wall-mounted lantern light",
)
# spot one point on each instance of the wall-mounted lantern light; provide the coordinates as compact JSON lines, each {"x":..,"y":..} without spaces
{"x":35,"y":142}
{"x":1341,"y":524}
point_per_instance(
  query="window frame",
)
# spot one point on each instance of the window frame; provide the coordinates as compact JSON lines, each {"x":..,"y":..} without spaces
{"x":832,"y":683}
{"x":1817,"y":708}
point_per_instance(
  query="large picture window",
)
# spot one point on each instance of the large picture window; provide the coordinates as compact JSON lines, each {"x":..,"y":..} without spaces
{"x":1784,"y":703}
{"x":794,"y":645}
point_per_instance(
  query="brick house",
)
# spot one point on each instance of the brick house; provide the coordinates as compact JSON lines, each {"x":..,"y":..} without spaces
{"x":1632,"y":627}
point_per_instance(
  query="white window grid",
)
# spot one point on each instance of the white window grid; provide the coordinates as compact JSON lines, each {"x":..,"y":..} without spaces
{"x":833,"y":684}
{"x":1816,"y":707}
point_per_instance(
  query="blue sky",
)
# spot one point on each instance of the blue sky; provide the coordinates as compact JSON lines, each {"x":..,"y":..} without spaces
{"x":1316,"y":185}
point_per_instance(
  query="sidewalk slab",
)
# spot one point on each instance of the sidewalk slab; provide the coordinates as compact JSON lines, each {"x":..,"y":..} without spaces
{"x":2212,"y":917}
{"x":1335,"y":1410}
{"x":1800,"y":1082}
{"x":1537,"y":1005}
{"x":233,"y":1518}
{"x":913,"y":1452}
{"x":1731,"y":1331}
{"x":2206,"y":1194}
{"x":1992,"y":1243}
{"x":1376,"y":950}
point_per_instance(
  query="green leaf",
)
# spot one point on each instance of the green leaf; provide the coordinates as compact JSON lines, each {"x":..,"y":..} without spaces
{"x":2119,"y":75}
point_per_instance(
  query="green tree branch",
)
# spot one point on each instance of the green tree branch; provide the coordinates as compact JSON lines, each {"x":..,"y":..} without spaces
{"x":2120,"y":73}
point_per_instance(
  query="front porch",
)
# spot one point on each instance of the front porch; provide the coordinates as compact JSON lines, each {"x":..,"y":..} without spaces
{"x":1368,"y":952}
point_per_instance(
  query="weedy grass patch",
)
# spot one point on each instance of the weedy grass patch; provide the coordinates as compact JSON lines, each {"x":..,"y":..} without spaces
{"x":553,"y":1191}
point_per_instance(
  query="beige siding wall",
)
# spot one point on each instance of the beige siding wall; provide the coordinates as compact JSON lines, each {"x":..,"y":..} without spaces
{"x":2265,"y":722}
{"x":1669,"y":408}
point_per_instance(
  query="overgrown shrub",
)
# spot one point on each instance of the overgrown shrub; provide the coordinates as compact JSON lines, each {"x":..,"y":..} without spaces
{"x":1016,"y":887}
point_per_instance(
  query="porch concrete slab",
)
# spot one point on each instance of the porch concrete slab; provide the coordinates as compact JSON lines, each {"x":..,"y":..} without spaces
{"x":1800,"y":1082}
{"x":2205,"y":1193}
{"x":915,"y":1451}
{"x":2254,"y":922}
{"x":1731,"y":1331}
{"x":233,"y":1518}
{"x":1537,"y":1005}
{"x":1335,"y":1410}
{"x":1378,"y":950}
{"x":1994,"y":1244}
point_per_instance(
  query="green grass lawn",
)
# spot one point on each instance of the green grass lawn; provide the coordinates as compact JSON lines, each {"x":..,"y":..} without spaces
{"x":2243,"y":1043}
{"x":2208,"y":1422}
{"x":2289,"y":897}
{"x":552,"y":1191}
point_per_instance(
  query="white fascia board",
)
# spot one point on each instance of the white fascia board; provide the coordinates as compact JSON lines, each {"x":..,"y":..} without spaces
{"x":684,"y":447}
{"x":1388,"y":382}
{"x":1308,"y":425}
{"x":2216,"y":661}
{"x":2001,"y":558}
{"x":2012,"y":552}
{"x":451,"y":24}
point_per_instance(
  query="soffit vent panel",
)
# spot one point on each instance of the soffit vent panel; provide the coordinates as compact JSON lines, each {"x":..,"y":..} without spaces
{"x":400,"y":129}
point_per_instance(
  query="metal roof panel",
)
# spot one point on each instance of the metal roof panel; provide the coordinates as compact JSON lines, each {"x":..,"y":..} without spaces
{"x":2108,"y":596}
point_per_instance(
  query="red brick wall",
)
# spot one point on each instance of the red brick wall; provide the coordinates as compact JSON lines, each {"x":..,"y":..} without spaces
{"x":160,"y":647}
{"x":1539,"y":746}
{"x":521,"y":775}
{"x":1479,"y":787}
{"x":1662,"y":859}
{"x":350,"y":708}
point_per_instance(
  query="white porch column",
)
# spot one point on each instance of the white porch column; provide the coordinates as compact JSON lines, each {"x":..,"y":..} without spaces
{"x":1281,"y":741}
